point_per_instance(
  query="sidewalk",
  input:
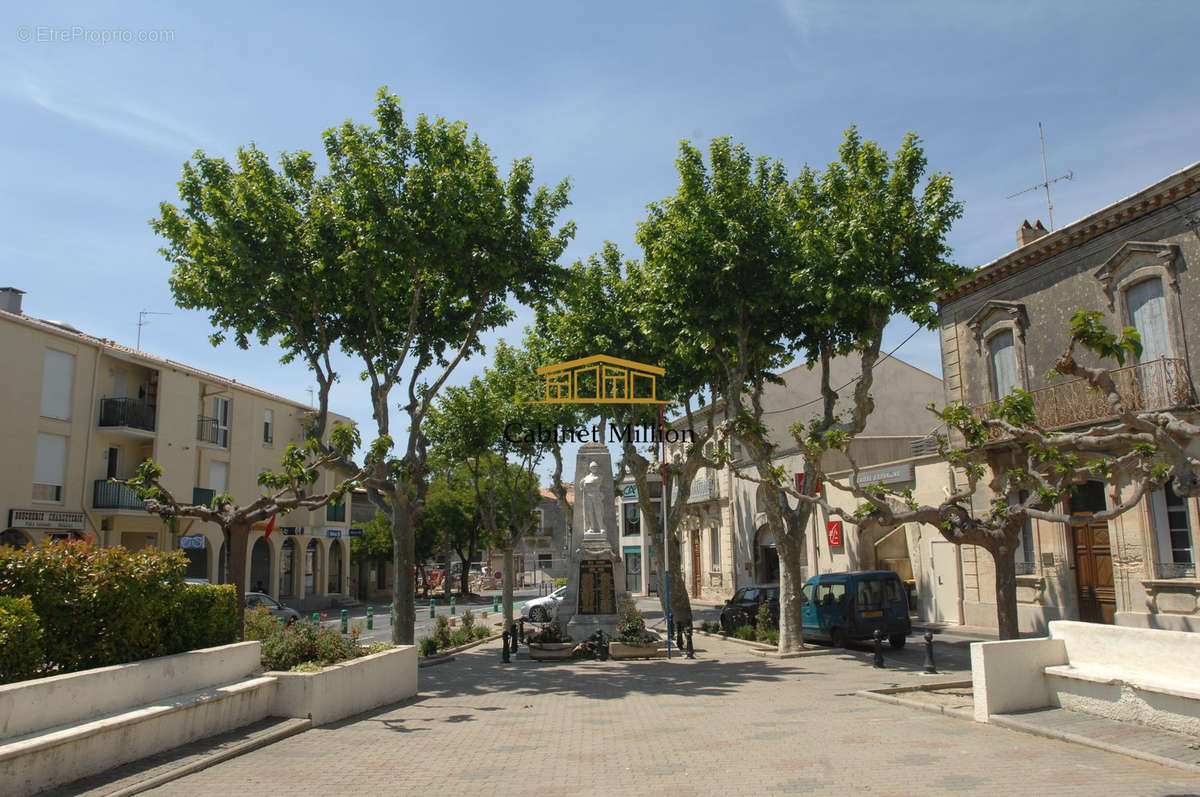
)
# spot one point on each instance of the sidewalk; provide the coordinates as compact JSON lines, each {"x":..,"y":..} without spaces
{"x":727,"y":722}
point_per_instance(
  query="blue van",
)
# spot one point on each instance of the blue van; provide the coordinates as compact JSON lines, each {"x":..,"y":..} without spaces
{"x":845,"y":606}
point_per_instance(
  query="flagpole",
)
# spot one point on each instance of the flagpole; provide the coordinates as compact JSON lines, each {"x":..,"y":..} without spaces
{"x":662,"y":506}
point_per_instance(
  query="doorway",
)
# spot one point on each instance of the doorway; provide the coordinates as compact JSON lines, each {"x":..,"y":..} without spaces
{"x":1093,"y":557}
{"x":766,"y":560}
{"x":943,"y":571}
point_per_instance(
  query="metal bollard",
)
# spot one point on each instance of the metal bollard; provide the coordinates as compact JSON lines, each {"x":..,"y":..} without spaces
{"x":504,"y":657}
{"x":930,"y":667}
{"x":431,"y":605}
{"x":878,"y":635}
{"x":316,"y":618}
{"x":345,"y":621}
{"x":495,"y":603}
{"x":521,"y":626}
{"x":691,"y":654}
{"x":679,"y":636}
{"x":391,"y":614}
{"x":452,"y":602}
{"x":370,"y":618}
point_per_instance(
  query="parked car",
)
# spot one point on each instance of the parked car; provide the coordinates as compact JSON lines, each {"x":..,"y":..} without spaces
{"x":541,"y":610}
{"x":196,"y":581}
{"x":841,"y":607}
{"x":742,"y":608}
{"x":277,"y":609}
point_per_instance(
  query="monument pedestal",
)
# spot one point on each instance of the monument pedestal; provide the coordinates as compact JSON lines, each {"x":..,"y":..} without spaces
{"x":596,"y":575}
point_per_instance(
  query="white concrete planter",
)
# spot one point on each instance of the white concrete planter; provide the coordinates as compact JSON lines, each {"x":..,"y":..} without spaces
{"x":351,"y":687}
{"x":550,"y":651}
{"x":623,"y":650}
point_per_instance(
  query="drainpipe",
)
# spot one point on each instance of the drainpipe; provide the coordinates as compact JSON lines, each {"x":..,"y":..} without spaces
{"x":87,"y":449}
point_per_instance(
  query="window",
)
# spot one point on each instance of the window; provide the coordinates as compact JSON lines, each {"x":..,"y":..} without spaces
{"x":539,"y":522}
{"x":545,"y":561}
{"x":268,"y":426}
{"x":1148,"y":313}
{"x":218,"y":477}
{"x":220,"y":414}
{"x":831,"y":594}
{"x":335,"y":513}
{"x":58,"y":373}
{"x":1003,"y":356}
{"x":633,"y":519}
{"x":806,"y":594}
{"x":1025,"y":553}
{"x":714,"y":542}
{"x":870,"y":594}
{"x":1173,"y":531}
{"x":49,"y":472}
{"x":895,"y":594}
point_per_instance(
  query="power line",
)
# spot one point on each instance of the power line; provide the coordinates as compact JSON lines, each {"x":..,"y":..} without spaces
{"x":848,"y":384}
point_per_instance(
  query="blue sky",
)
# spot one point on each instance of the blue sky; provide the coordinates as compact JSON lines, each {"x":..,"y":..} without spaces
{"x":95,"y":133}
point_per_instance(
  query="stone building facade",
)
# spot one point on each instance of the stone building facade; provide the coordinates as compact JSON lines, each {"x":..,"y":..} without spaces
{"x":1137,"y":261}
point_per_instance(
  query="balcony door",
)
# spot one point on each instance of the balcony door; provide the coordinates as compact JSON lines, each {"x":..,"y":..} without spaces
{"x":1148,"y":314}
{"x":1093,"y":557}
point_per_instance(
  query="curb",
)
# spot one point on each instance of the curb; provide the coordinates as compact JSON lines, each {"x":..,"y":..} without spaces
{"x":1014,"y":724}
{"x":446,"y":655}
{"x":434,"y":661}
{"x":742,"y":642}
{"x":289,"y":729}
{"x":891,"y":695}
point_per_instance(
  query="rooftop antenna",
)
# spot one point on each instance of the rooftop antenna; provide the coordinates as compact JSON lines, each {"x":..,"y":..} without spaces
{"x":142,"y":322}
{"x":1046,"y":181}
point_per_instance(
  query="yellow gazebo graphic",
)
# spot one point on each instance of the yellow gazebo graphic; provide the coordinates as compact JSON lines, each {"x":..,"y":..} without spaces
{"x":600,"y":379}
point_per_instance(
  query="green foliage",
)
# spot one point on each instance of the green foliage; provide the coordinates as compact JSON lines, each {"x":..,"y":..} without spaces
{"x":459,"y":637}
{"x":205,"y":616}
{"x":428,"y":646}
{"x":286,"y":647}
{"x":631,"y":625}
{"x":98,"y":606}
{"x":710,"y":627}
{"x":468,"y":621}
{"x":481,"y":632}
{"x":746,"y":632}
{"x":762,"y":623}
{"x":551,"y":633}
{"x":1087,"y":327}
{"x":441,"y":632}
{"x":21,"y":654}
{"x":560,"y":582}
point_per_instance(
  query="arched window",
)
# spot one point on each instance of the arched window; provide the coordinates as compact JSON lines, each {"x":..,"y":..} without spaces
{"x":1003,"y":356}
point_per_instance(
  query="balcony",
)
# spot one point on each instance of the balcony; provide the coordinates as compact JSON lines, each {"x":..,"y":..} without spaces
{"x":704,"y":488}
{"x":208,"y":430}
{"x":1156,"y":385}
{"x":127,"y":413}
{"x":106,"y":495}
{"x":202,"y":496}
{"x":1166,"y":570}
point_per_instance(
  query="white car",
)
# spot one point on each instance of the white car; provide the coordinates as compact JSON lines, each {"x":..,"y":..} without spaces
{"x":541,"y":610}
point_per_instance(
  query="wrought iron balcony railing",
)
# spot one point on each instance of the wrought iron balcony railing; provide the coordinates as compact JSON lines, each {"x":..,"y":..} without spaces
{"x":1025,"y":568}
{"x":209,"y":431}
{"x":1174,"y":569}
{"x":106,"y":495}
{"x":133,"y":413}
{"x":704,"y":488}
{"x":1156,"y":385}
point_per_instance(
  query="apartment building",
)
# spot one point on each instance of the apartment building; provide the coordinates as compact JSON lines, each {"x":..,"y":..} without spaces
{"x":81,"y":410}
{"x":1137,"y":261}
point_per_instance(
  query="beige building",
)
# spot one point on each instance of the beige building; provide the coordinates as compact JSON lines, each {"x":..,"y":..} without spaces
{"x":1136,"y":261}
{"x":79,"y":410}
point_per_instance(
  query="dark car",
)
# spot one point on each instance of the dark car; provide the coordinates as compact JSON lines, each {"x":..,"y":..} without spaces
{"x":742,"y":608}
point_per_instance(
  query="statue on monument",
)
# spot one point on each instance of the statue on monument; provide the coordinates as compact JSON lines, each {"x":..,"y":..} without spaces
{"x":592,"y":489}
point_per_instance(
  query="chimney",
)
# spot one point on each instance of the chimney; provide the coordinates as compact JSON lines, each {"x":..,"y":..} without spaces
{"x":1028,"y":234}
{"x":10,"y":300}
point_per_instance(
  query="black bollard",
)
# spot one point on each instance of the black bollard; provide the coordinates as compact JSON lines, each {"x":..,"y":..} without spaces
{"x":878,"y":648}
{"x":691,"y":654}
{"x":930,"y":667}
{"x":521,"y":626}
{"x":504,"y":651}
{"x":679,"y":636}
{"x":603,"y":647}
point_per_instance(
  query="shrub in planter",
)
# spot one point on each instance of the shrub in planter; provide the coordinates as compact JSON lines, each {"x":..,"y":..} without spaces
{"x":460,"y":637}
{"x":551,"y":634}
{"x":441,"y":632}
{"x":21,"y":653}
{"x":745,"y":632}
{"x":428,"y":647}
{"x":709,"y":627}
{"x":205,"y":615}
{"x":480,"y":632}
{"x":631,"y":625}
{"x":763,"y":625}
{"x":468,"y":622}
{"x":285,"y":647}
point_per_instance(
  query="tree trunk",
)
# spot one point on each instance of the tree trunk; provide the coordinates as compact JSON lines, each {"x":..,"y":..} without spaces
{"x":791,"y":558}
{"x":509,"y":580}
{"x":239,"y":543}
{"x":403,"y":554}
{"x":446,"y":551}
{"x":1006,"y":592}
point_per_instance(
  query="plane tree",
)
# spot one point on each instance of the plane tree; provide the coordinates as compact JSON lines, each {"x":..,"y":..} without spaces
{"x":398,"y":254}
{"x":761,"y":270}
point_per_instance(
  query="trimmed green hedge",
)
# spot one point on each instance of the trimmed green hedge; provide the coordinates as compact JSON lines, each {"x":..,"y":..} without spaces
{"x":21,"y":653}
{"x":102,"y":606}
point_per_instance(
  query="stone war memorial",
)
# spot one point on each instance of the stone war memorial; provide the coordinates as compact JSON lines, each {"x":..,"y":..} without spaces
{"x":595,"y":576}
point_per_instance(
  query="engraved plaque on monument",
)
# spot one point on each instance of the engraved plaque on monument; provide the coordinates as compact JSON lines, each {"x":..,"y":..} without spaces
{"x":597,"y":592}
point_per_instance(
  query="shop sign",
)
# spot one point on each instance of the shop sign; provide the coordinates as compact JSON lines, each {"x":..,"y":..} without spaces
{"x":833,"y":530}
{"x":629,"y":491}
{"x":356,"y":532}
{"x":44,"y":519}
{"x":192,"y":541}
{"x":892,"y":475}
{"x":333,"y":534}
{"x":290,"y":530}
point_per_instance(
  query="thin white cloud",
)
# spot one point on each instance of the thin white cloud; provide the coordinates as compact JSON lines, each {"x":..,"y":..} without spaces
{"x":122,"y":118}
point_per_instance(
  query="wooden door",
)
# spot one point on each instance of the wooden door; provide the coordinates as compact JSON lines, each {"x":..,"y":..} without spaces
{"x":695,"y":564}
{"x":1094,"y":573}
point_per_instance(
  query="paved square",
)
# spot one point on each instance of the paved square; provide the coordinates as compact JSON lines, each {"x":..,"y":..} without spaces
{"x":728,"y":723}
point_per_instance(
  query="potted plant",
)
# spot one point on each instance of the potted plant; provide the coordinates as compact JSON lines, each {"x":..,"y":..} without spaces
{"x":549,"y":644}
{"x":633,"y":641}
